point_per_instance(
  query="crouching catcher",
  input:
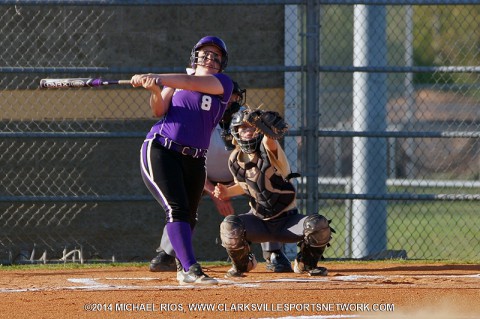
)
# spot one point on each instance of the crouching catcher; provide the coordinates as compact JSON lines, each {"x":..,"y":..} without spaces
{"x":262,"y":172}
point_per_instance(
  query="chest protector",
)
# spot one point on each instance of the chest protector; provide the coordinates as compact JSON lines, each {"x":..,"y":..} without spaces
{"x":270,"y":194}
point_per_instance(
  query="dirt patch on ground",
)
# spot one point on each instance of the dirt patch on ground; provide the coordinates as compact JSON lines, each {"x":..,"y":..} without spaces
{"x":351,"y":290}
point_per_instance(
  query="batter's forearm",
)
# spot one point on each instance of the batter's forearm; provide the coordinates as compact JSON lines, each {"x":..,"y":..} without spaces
{"x":206,"y":84}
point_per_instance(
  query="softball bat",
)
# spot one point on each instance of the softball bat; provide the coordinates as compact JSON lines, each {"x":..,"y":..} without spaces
{"x":78,"y":83}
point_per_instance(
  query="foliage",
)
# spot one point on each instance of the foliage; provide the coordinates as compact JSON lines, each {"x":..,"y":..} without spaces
{"x":446,"y":36}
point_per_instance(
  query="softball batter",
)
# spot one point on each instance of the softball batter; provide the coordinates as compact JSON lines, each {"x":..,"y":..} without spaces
{"x":172,"y":156}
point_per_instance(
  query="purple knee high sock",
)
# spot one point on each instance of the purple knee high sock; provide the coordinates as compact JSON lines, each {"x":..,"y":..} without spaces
{"x":180,"y":235}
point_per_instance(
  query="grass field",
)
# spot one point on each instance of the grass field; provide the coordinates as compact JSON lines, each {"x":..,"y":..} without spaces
{"x":425,"y":230}
{"x":144,"y":265}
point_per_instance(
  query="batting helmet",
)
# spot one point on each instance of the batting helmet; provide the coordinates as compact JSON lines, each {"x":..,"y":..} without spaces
{"x":210,"y":40}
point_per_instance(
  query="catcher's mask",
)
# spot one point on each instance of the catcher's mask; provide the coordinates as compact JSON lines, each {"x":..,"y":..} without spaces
{"x":250,"y":145}
{"x":209,"y":40}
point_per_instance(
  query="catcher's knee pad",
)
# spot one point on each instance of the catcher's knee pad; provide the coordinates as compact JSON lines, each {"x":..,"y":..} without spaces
{"x":232,"y":233}
{"x":317,"y":231}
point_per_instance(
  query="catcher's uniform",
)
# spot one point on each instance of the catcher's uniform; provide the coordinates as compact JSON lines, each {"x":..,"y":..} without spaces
{"x":273,"y":215}
{"x":264,"y":175}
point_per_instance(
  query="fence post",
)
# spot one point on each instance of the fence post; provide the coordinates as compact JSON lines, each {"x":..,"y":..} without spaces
{"x":348,"y":221}
{"x":312,"y":108}
{"x":369,"y":114}
{"x":293,"y":44}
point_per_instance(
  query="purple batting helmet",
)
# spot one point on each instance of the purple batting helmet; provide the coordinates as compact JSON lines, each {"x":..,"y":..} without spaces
{"x":210,"y":40}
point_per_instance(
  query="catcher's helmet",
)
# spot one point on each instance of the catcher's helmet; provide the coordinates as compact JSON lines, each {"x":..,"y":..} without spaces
{"x":210,"y":40}
{"x":247,"y":146}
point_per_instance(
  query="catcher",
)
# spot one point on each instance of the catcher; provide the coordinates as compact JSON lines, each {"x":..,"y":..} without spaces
{"x":261,"y":171}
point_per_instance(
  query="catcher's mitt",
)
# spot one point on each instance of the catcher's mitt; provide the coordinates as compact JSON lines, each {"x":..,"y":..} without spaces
{"x":270,"y":123}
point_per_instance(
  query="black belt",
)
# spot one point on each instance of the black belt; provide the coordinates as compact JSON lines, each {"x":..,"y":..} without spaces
{"x":184,"y":150}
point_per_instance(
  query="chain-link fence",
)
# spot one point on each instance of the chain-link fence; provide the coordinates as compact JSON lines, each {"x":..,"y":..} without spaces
{"x":382,"y":97}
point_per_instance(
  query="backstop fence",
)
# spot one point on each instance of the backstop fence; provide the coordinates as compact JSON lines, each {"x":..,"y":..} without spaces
{"x":382,"y":97}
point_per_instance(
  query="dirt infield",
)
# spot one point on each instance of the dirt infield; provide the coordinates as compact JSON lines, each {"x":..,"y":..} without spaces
{"x":351,"y":290}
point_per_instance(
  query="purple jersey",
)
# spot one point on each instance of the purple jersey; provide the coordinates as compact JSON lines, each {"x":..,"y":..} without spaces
{"x":192,"y":115}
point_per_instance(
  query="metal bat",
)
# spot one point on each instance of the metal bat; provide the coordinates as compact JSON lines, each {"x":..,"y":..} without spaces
{"x":78,"y":83}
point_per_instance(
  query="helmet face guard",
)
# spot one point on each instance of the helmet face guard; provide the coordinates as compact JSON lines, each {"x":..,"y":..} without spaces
{"x":247,"y":146}
{"x":209,"y":40}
